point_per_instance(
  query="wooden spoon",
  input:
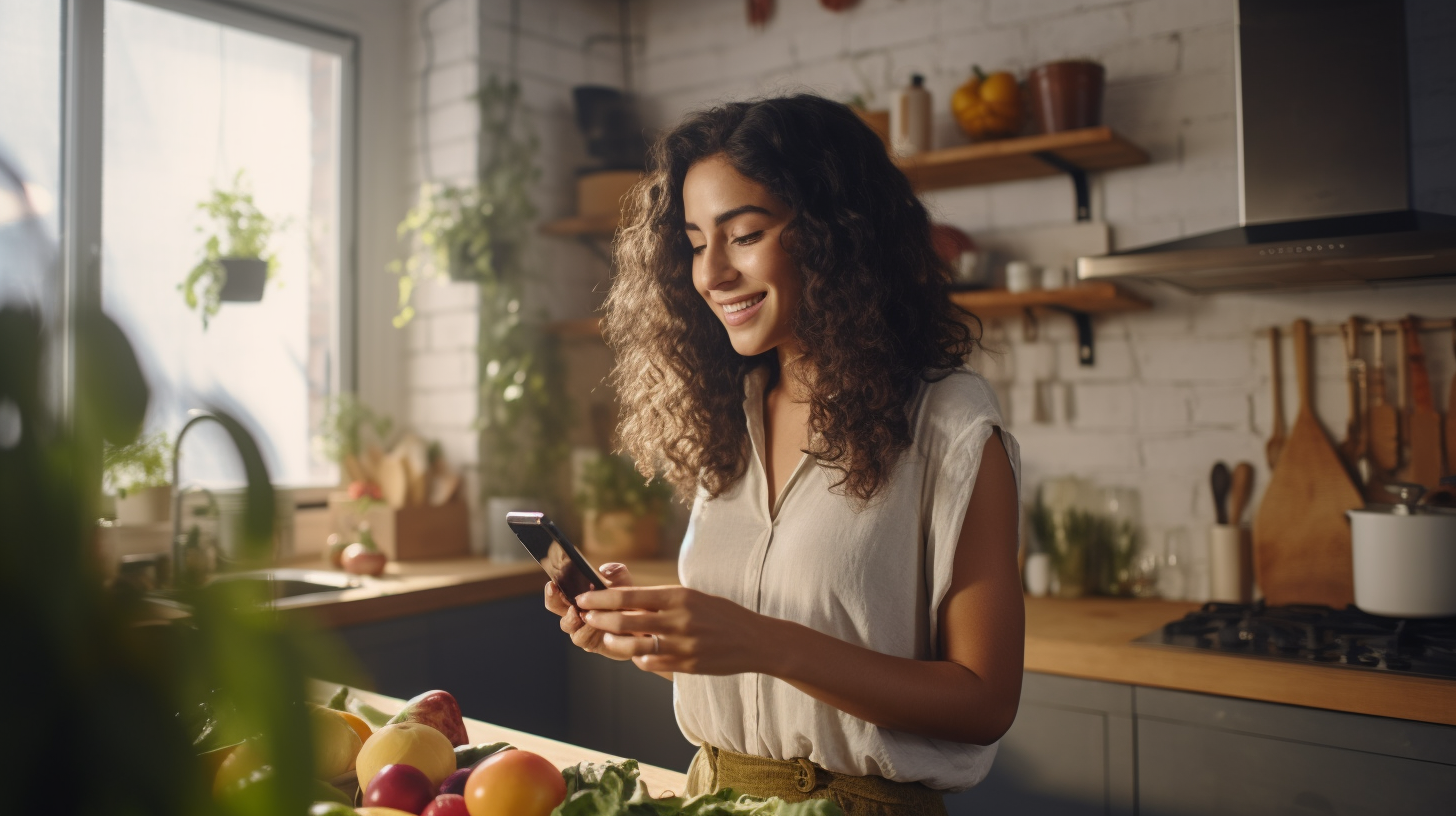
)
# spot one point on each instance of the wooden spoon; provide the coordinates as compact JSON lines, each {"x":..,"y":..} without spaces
{"x":1425,"y":424}
{"x":1352,"y":449}
{"x":1451,"y":418}
{"x":1275,"y":445}
{"x":1239,"y":491}
{"x":1383,"y":420}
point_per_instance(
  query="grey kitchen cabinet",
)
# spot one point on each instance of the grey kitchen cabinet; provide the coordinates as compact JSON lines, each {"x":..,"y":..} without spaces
{"x":505,"y":661}
{"x":1069,"y":753}
{"x":620,"y":709}
{"x":1202,"y":754}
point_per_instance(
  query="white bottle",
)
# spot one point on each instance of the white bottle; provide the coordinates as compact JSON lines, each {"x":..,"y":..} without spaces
{"x":910,"y":119}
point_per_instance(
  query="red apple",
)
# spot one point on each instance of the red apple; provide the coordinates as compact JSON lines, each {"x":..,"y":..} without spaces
{"x":361,"y":560}
{"x":447,"y":804}
{"x":402,"y":787}
{"x":455,"y":782}
{"x":438,"y":710}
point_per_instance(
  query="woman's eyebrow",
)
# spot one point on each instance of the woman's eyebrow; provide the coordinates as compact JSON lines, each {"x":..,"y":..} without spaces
{"x":719,"y":219}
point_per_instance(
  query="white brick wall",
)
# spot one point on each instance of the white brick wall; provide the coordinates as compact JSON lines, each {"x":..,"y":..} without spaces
{"x":1175,"y":388}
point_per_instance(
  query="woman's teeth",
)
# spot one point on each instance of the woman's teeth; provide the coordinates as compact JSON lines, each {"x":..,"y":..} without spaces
{"x":730,"y":308}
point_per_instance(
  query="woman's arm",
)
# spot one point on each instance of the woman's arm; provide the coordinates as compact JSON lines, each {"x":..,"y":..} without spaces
{"x":969,"y":695}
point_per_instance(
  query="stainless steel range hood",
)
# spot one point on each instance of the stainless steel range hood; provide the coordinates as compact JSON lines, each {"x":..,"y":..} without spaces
{"x":1324,"y":161}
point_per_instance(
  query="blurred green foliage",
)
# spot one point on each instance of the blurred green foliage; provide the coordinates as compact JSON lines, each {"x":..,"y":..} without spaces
{"x":102,"y":692}
{"x":610,"y":482}
{"x":138,"y":465}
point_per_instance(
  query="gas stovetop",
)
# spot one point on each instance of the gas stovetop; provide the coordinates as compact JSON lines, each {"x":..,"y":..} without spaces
{"x":1317,"y":634}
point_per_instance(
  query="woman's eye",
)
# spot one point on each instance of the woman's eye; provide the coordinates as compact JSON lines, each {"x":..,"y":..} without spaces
{"x":749,"y":238}
{"x":698,"y":250}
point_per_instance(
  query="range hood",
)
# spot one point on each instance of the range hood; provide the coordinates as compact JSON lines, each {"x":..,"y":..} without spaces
{"x":1324,"y":162}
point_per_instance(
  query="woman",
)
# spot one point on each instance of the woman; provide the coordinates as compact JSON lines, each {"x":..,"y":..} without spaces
{"x":850,"y":621}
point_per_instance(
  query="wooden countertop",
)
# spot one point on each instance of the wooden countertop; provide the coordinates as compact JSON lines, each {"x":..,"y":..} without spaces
{"x":660,"y":781}
{"x":1090,"y":638}
{"x":417,"y":587}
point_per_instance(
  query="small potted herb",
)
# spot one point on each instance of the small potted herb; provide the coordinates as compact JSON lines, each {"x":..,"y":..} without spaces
{"x":622,"y":511}
{"x":137,"y":474}
{"x":236,"y":263}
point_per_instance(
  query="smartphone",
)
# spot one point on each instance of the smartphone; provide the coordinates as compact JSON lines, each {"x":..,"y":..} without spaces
{"x":563,"y":562}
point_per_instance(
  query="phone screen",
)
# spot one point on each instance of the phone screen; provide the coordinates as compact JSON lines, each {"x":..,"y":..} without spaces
{"x":556,"y":555}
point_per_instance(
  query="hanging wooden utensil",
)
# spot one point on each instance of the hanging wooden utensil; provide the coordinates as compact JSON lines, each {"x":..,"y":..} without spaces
{"x":1275,"y":445}
{"x":1301,"y":538}
{"x":1384,"y":422}
{"x":1351,"y":449}
{"x":1451,"y":416}
{"x":1424,"y":423}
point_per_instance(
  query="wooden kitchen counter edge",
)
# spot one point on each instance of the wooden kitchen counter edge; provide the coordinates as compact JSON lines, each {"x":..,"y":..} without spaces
{"x":660,"y":781}
{"x":1088,"y":638}
{"x":1091,"y":639}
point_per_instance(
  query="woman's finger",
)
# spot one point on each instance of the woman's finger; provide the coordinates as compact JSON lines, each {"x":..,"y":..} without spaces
{"x":617,"y":575}
{"x":555,"y":601}
{"x":625,"y":647}
{"x":634,"y":621}
{"x":571,"y":620}
{"x":662,"y":597}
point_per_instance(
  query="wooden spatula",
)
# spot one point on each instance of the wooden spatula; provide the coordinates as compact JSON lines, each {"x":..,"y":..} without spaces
{"x":1275,"y":445}
{"x":1424,"y":423}
{"x":1384,"y":421}
{"x":1239,"y":491}
{"x":1301,"y":538}
{"x":1353,"y":448}
{"x":1451,"y":418}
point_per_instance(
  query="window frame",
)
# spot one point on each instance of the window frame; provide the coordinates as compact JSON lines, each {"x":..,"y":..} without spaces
{"x":81,"y":168}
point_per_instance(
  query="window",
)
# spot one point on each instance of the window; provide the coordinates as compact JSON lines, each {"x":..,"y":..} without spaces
{"x":199,"y":96}
{"x":30,"y":149}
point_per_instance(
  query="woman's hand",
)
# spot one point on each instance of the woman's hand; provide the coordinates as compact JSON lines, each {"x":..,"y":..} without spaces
{"x":587,"y":637}
{"x":675,"y":629}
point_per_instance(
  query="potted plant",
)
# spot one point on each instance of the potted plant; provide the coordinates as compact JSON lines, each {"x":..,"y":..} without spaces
{"x":480,"y":234}
{"x":236,"y":263}
{"x":137,"y":475}
{"x":346,"y":424}
{"x":622,"y":512}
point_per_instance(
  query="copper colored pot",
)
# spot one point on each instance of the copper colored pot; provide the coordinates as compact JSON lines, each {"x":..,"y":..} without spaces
{"x":1066,"y":95}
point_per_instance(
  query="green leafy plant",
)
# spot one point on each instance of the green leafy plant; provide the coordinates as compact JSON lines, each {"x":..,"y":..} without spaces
{"x":477,"y":232}
{"x":238,"y":230}
{"x":346,"y":422}
{"x":138,"y":465}
{"x":146,"y":698}
{"x":612,"y":483}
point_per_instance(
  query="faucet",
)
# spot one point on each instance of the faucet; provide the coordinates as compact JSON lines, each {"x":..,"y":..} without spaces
{"x":258,"y":520}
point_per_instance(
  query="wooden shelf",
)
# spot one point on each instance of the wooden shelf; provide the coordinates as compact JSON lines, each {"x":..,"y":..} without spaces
{"x":1024,"y":157}
{"x":576,"y":329}
{"x":1092,"y":297}
{"x":582,"y":225}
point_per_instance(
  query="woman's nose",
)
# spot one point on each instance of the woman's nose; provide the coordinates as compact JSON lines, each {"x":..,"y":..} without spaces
{"x":714,"y":266}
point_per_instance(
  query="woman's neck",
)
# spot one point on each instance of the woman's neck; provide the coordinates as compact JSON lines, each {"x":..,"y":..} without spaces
{"x":793,"y":370}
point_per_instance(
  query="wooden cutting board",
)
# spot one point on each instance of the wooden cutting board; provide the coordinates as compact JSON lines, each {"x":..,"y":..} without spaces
{"x":1424,"y":422}
{"x":1301,"y":535}
{"x":1451,"y":420}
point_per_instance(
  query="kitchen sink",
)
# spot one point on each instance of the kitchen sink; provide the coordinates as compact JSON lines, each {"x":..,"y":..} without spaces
{"x":286,"y":586}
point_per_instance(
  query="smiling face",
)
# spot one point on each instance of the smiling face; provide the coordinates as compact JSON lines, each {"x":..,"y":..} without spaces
{"x":740,"y":266}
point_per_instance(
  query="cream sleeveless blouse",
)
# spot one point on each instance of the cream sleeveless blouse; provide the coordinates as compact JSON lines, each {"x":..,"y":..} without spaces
{"x":874,"y":577}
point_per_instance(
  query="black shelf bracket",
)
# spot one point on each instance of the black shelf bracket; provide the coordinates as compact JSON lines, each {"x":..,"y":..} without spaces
{"x":1086,"y":350}
{"x":1079,"y":182}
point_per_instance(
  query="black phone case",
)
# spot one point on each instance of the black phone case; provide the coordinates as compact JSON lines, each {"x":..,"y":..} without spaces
{"x":537,"y":533}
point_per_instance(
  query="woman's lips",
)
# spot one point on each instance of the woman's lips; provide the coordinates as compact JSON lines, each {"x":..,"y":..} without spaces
{"x":742,"y":316}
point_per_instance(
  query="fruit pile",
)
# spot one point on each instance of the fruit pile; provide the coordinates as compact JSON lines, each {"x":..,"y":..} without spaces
{"x":420,"y":762}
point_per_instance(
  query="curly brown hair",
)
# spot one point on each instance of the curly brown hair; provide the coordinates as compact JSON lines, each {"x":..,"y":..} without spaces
{"x":859,"y":236}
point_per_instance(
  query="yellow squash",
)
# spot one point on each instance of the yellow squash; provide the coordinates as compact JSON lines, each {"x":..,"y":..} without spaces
{"x":988,"y":107}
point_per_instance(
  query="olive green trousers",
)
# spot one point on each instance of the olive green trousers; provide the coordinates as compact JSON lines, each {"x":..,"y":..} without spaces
{"x":795,"y":780}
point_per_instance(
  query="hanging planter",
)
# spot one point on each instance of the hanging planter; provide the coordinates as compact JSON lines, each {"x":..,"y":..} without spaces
{"x":243,"y":279}
{"x":236,"y":263}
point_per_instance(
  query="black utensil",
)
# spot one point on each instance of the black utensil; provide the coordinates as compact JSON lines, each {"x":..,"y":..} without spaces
{"x":1220,"y":480}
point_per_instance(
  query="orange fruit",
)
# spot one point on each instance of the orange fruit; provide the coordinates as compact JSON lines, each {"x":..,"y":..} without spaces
{"x":357,"y":723}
